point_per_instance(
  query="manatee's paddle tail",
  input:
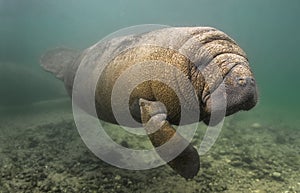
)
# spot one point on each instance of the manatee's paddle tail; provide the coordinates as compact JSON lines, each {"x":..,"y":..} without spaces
{"x":159,"y":130}
{"x":58,"y":60}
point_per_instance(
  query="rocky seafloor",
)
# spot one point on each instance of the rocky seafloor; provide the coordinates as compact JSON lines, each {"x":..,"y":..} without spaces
{"x":249,"y":156}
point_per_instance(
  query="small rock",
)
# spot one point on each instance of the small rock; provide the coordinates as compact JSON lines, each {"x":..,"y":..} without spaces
{"x":118,"y":177}
{"x":236,"y":163}
{"x":259,"y":191}
{"x":277,"y":176}
{"x":227,"y":160}
{"x":223,"y":152}
{"x":256,"y":125}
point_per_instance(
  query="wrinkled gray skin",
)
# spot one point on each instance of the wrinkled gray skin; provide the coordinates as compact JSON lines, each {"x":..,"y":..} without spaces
{"x":200,"y":50}
{"x":206,"y":56}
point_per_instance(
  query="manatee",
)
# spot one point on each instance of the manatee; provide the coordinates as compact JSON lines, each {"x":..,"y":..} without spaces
{"x":205,"y":56}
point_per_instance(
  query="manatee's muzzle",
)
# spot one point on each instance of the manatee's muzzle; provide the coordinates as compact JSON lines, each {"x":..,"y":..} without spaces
{"x":242,"y":96}
{"x":227,"y":99}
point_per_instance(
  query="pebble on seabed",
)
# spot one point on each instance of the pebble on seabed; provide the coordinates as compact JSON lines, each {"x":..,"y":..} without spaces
{"x":256,"y":125}
{"x":276,"y":174}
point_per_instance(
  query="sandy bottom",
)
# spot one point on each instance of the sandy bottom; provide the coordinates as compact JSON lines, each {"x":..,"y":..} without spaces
{"x":41,"y":151}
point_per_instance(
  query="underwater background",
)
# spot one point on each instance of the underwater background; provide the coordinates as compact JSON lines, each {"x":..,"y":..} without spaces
{"x":36,"y":125}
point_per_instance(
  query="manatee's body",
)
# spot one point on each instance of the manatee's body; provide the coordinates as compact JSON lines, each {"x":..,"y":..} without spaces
{"x":199,"y":53}
{"x":206,"y":47}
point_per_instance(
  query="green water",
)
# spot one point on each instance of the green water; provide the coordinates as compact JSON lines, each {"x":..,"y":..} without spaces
{"x":267,"y":30}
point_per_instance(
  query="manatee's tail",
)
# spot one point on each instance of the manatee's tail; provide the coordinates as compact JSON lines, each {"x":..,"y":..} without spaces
{"x":58,"y":60}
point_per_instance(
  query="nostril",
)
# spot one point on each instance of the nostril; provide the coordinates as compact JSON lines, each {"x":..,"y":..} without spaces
{"x":245,"y":80}
{"x":251,"y":81}
{"x":241,"y":81}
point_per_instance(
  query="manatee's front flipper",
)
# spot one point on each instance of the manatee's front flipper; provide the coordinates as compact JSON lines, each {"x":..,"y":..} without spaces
{"x":160,"y":131}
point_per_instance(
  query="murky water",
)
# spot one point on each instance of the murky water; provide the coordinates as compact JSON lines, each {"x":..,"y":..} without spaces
{"x":267,"y":30}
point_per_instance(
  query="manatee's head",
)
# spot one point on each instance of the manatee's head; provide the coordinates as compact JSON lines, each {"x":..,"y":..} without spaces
{"x":241,"y":90}
{"x":236,"y":91}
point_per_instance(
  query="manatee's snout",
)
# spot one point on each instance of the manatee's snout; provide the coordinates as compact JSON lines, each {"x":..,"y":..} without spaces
{"x":241,"y":90}
{"x":248,"y":92}
{"x":237,"y":92}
